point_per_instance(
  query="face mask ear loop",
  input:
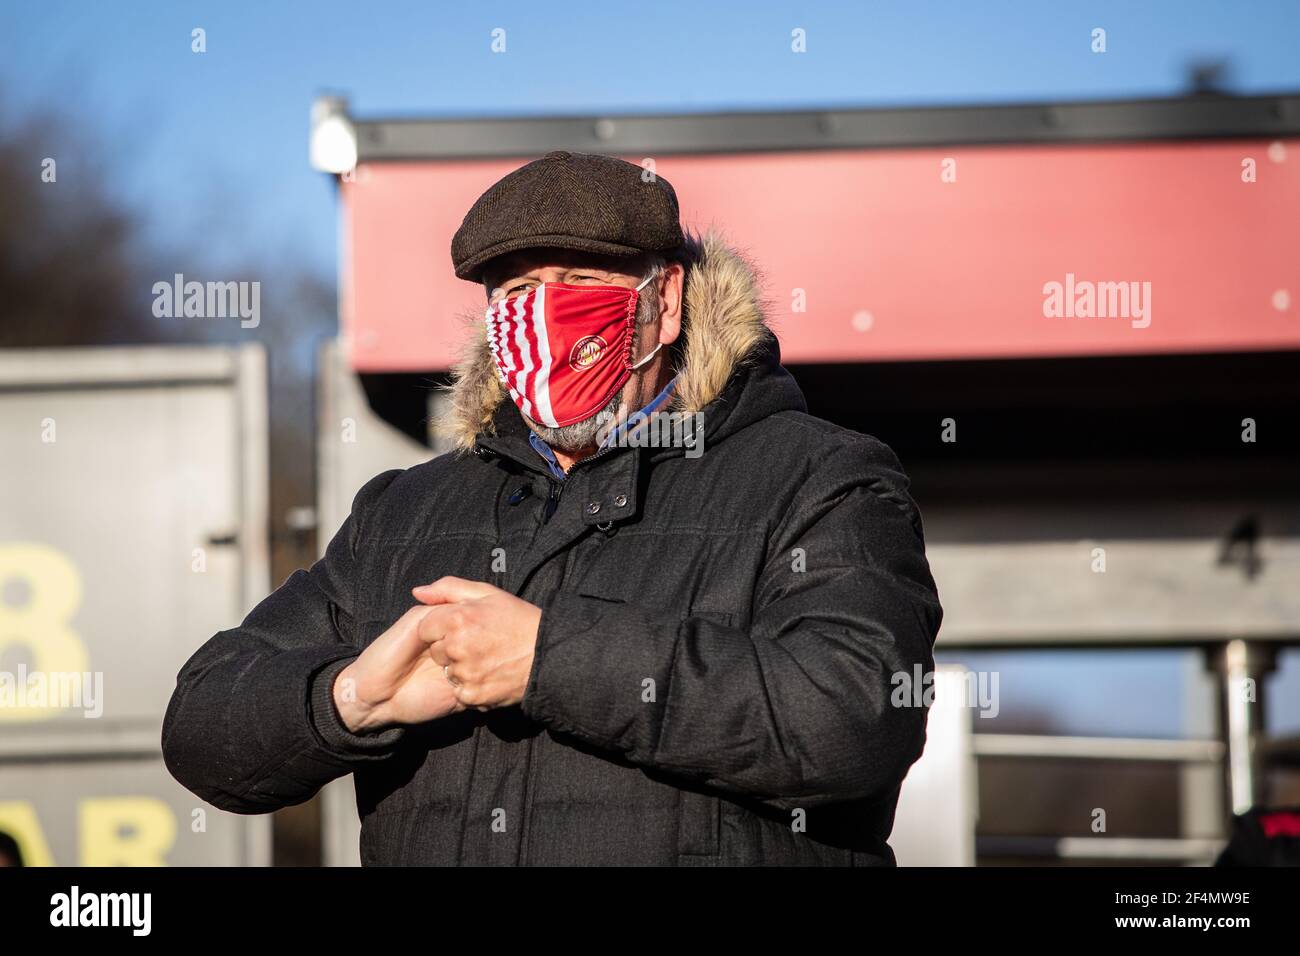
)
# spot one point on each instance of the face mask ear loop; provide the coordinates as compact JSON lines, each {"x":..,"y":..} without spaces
{"x":631,"y":319}
{"x":646,"y":358}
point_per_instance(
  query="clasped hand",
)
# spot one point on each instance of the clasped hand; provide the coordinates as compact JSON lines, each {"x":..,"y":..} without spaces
{"x":466,"y":644}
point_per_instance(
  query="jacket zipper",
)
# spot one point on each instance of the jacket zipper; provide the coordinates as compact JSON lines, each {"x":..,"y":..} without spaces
{"x":554,"y":491}
{"x":599,"y":454}
{"x":552,"y":500}
{"x":553,"y":494}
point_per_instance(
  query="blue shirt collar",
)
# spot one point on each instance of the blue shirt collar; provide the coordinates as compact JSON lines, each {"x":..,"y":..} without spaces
{"x":548,"y":454}
{"x":544,"y":450}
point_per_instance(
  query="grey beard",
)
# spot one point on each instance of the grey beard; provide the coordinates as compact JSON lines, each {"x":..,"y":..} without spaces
{"x":579,"y":435}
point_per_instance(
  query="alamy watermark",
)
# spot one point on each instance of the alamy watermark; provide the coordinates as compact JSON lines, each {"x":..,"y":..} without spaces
{"x":133,"y":911}
{"x":654,"y":430}
{"x":208,"y":300}
{"x":979,"y":690}
{"x":53,"y":690}
{"x":1085,"y":299}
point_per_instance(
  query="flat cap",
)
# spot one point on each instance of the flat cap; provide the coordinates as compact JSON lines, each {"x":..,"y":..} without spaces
{"x":581,"y":201}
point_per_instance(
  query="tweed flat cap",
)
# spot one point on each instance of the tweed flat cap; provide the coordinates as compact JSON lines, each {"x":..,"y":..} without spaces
{"x":581,"y":201}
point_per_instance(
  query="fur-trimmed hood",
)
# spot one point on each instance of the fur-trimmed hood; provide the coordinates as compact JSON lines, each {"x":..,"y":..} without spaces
{"x":724,"y":326}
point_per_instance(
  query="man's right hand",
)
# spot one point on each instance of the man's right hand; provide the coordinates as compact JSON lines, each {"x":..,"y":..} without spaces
{"x":394,"y":681}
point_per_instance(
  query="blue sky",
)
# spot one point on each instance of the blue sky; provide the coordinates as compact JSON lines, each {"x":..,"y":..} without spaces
{"x":212,"y":147}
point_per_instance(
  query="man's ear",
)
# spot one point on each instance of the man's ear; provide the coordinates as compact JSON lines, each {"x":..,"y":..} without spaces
{"x":672,"y":283}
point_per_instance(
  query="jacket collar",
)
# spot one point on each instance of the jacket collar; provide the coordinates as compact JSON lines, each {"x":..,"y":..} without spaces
{"x":606,"y":483}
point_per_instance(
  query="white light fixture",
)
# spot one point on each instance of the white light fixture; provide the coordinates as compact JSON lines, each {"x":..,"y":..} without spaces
{"x":333,"y":137}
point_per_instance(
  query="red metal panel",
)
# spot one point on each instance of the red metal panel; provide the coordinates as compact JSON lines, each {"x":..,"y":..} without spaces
{"x":895,"y":263}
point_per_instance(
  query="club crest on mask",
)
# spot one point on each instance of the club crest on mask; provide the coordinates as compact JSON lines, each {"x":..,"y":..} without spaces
{"x":587,"y":352}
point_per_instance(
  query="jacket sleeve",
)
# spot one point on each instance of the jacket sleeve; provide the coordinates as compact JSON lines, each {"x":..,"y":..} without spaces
{"x":252,"y":726}
{"x":796,"y":710}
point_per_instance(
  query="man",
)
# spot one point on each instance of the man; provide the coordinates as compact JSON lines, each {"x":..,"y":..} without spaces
{"x":10,"y":853}
{"x":568,"y":644}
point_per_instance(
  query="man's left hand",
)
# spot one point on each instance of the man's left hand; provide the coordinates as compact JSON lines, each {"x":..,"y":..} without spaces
{"x":484,"y":636}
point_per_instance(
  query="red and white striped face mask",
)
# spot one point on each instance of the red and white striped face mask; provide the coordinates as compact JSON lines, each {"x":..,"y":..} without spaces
{"x":563,"y":351}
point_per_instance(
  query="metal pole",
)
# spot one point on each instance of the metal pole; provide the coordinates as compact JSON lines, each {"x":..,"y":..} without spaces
{"x":1242,"y":666}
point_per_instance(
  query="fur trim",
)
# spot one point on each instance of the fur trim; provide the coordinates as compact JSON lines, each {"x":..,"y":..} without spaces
{"x":724,"y":324}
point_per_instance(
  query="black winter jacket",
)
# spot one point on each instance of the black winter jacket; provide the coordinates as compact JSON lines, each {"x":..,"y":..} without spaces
{"x":714,"y":666}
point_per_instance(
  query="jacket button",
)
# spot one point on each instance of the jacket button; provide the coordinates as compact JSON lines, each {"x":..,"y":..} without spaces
{"x":593,"y":508}
{"x":620,"y":501}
